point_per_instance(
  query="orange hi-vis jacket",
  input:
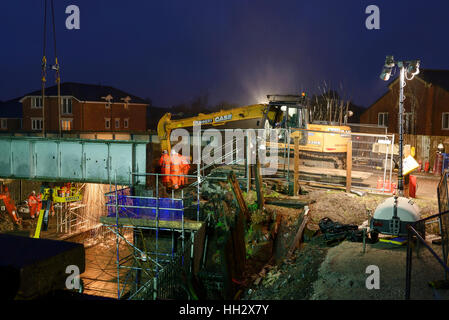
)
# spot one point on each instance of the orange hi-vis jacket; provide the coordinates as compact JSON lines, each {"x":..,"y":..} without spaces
{"x":176,"y":169}
{"x":185,"y":166}
{"x":33,"y":204}
{"x":165,"y":163}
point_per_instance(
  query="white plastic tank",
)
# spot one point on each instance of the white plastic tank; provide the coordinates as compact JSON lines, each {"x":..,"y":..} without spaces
{"x":407,"y":210}
{"x":383,"y":220}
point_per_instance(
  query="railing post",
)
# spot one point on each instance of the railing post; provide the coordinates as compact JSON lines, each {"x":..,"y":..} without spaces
{"x":349,"y":167}
{"x":296,"y":169}
{"x":408,"y":270}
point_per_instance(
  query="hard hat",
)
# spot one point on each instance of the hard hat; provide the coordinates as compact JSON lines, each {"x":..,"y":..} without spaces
{"x":173,"y":152}
{"x":33,"y":192}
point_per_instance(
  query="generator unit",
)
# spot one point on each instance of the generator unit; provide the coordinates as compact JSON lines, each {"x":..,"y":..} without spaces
{"x":393,"y":215}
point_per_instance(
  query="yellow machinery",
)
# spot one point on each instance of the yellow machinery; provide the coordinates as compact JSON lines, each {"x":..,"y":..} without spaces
{"x":54,"y":195}
{"x":318,"y":142}
{"x":242,"y":117}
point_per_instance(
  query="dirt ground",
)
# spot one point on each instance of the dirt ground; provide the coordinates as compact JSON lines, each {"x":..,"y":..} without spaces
{"x":319,"y":272}
{"x":342,"y":275}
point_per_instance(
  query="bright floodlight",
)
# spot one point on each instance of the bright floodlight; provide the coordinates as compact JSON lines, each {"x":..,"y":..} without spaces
{"x":389,"y":62}
{"x":387,"y":69}
{"x":413,"y":67}
{"x":386,"y":74}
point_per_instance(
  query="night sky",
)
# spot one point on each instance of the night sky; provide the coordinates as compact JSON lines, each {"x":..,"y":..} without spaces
{"x":235,"y":50}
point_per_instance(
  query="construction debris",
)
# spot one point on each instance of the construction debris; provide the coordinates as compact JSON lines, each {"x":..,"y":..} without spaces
{"x":299,"y":234}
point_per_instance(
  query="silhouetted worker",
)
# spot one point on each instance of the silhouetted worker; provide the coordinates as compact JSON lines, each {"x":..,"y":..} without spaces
{"x":165,"y":163}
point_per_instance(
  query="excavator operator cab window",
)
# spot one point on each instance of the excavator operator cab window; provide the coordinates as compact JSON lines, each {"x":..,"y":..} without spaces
{"x":297,"y":117}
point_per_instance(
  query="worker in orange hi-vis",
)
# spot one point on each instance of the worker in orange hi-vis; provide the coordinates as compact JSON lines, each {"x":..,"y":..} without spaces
{"x":175,"y":169}
{"x":185,"y":167}
{"x":33,"y":204}
{"x":165,"y":163}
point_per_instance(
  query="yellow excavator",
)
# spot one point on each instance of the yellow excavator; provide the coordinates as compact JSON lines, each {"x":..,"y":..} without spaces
{"x":318,"y":142}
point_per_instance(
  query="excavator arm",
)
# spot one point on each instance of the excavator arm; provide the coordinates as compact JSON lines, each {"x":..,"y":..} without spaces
{"x":220,"y":118}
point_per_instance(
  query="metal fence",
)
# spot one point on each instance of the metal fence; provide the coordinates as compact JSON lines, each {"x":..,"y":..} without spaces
{"x":417,"y":230}
{"x":323,"y":159}
{"x":443,"y":206}
{"x":322,"y":156}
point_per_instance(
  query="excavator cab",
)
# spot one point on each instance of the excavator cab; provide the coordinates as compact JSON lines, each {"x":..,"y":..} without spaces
{"x":291,"y":112}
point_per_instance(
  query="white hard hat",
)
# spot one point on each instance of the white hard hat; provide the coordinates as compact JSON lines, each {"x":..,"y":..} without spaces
{"x":173,"y":152}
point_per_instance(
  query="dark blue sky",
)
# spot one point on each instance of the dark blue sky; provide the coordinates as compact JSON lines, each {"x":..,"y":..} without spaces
{"x":234,"y":50}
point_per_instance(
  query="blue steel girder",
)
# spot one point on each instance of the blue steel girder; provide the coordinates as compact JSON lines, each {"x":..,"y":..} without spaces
{"x":72,"y":160}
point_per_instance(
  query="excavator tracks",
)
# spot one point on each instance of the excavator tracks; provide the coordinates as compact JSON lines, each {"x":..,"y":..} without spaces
{"x":323,"y":160}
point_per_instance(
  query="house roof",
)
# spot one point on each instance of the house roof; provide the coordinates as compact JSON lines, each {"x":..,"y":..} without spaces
{"x":436,"y":77}
{"x":433,"y":76}
{"x":88,"y":92}
{"x":11,"y":109}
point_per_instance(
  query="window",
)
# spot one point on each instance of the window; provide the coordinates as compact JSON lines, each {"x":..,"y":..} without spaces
{"x":445,"y":121}
{"x":125,"y":123}
{"x":408,"y":123}
{"x":3,"y":124}
{"x":36,"y":102}
{"x":36,"y":123}
{"x":117,"y":123}
{"x":107,"y":123}
{"x":382,"y":119}
{"x":66,"y":124}
{"x":66,"y":106}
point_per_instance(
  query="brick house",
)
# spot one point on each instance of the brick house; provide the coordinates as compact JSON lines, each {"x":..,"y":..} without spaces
{"x":426,"y":107}
{"x":85,"y":108}
{"x":10,"y":115}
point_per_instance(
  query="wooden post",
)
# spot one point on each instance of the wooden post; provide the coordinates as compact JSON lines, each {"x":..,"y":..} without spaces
{"x":349,"y":167}
{"x":259,"y":186}
{"x":248,"y":163}
{"x":235,"y":186}
{"x":296,"y":174}
{"x":297,"y":240}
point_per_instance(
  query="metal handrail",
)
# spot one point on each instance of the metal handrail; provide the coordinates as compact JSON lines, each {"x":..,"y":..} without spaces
{"x":411,"y":230}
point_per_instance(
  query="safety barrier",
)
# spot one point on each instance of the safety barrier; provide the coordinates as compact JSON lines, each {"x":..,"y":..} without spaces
{"x":133,"y":207}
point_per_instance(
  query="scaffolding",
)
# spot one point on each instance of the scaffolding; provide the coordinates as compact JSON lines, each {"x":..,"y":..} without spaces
{"x":158,"y":240}
{"x":68,"y":219}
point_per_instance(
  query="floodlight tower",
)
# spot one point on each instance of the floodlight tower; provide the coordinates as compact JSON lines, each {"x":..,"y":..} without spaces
{"x":394,"y":214}
{"x":406,"y":68}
